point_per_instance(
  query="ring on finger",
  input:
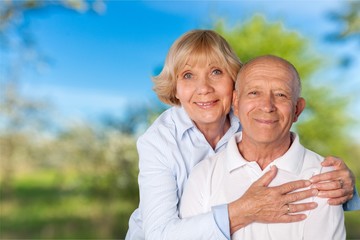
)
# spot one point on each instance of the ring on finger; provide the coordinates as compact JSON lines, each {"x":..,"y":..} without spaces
{"x":341,"y":183}
{"x":288,"y":208}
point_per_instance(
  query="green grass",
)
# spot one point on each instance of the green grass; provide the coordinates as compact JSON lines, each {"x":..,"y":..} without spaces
{"x":37,"y":207}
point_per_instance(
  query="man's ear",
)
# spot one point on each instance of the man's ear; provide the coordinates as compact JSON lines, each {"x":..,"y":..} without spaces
{"x":300,"y":106}
{"x":235,"y":103}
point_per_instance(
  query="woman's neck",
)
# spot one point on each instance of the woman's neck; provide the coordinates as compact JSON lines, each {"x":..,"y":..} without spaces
{"x":215,"y":131}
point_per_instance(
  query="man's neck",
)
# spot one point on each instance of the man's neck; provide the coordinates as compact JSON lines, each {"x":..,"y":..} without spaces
{"x":263,"y":153}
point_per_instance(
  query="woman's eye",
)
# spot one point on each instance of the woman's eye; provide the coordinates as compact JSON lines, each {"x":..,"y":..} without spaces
{"x":217,"y":72}
{"x":187,"y":75}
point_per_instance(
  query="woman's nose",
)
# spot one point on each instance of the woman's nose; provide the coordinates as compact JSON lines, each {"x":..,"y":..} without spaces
{"x":204,"y":85}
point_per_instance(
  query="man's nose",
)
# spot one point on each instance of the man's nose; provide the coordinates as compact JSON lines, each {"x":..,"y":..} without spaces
{"x":268,"y":103}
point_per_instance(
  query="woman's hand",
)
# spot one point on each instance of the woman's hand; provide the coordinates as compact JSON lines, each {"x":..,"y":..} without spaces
{"x":261,"y":203}
{"x":337,"y":185}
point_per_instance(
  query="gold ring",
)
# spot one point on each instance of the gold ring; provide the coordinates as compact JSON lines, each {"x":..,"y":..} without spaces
{"x":288,"y":208}
{"x":341,"y":183}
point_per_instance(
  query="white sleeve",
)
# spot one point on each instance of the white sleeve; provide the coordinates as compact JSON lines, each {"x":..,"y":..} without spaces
{"x":193,"y":201}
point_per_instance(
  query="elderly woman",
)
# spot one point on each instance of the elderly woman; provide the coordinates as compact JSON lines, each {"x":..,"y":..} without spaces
{"x":198,"y":80}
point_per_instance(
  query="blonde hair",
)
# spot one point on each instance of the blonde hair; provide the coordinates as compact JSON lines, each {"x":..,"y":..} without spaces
{"x":195,"y":45}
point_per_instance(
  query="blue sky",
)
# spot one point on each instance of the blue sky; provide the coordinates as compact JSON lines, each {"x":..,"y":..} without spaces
{"x":100,"y":63}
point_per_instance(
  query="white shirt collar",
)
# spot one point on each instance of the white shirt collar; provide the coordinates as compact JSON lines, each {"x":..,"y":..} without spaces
{"x":291,"y":161}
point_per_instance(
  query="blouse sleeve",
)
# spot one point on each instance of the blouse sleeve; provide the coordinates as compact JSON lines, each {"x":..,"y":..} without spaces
{"x":159,"y":199}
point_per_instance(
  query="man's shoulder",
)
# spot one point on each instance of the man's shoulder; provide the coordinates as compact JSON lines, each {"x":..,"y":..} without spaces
{"x":206,"y":167}
{"x":312,"y":158}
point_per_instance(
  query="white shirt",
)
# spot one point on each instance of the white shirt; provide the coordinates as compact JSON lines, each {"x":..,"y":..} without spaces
{"x":226,"y":176}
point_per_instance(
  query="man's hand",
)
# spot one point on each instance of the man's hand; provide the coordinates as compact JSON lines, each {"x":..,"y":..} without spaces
{"x":337,"y":185}
{"x":261,"y":203}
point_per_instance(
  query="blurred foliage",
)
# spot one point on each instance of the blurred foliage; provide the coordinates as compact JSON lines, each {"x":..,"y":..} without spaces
{"x":349,"y":20}
{"x":136,"y":118}
{"x":79,"y":181}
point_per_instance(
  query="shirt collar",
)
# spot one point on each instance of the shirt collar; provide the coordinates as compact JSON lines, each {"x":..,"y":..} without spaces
{"x":233,"y":157}
{"x":291,"y":161}
{"x":182,"y":120}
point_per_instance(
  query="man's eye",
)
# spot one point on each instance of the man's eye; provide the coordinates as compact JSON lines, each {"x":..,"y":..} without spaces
{"x":280,"y":95}
{"x":253,"y":93}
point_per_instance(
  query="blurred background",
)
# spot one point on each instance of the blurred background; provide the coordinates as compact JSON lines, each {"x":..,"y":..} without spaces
{"x":76,"y":92}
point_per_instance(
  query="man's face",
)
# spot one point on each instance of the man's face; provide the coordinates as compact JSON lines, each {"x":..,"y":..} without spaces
{"x":265,"y":101}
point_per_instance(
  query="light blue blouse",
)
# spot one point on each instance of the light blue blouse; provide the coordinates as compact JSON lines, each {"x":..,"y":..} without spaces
{"x":168,"y":151}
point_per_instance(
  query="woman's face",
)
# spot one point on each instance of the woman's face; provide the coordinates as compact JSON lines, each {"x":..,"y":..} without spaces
{"x":205,"y":92}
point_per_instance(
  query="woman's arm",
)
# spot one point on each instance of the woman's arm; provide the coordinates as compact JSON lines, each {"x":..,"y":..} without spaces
{"x":159,"y":195}
{"x":337,"y":185}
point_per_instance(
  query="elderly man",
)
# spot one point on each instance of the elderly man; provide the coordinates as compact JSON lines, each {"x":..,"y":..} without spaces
{"x":267,"y":101}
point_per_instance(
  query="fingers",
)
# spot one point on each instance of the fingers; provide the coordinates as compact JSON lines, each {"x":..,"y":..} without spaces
{"x":324,"y":176}
{"x":331,"y":176}
{"x":297,"y":196}
{"x":265,"y":180}
{"x":334,"y":180}
{"x":334,"y":193}
{"x":300,"y":207}
{"x":292,"y":186}
{"x":337,"y":201}
{"x":330,"y":185}
{"x":288,"y":218}
{"x":338,"y":191}
{"x":332,"y":161}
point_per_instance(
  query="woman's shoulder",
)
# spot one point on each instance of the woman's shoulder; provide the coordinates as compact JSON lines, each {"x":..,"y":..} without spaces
{"x":164,"y":128}
{"x":164,"y":122}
